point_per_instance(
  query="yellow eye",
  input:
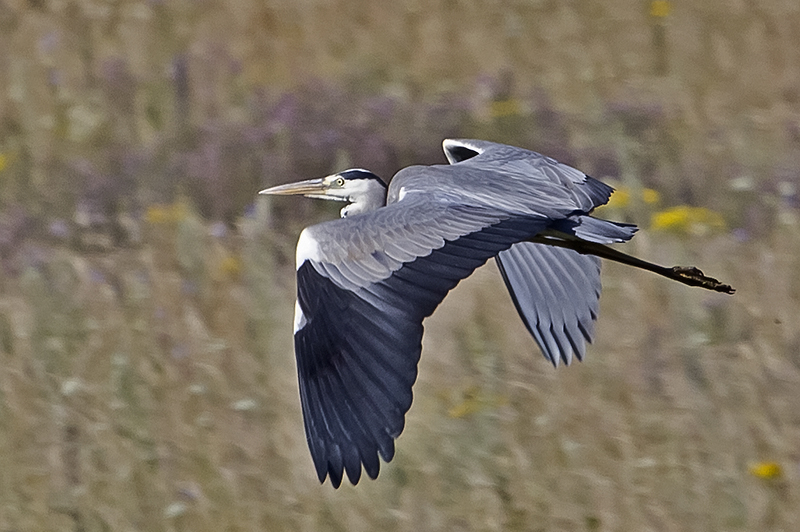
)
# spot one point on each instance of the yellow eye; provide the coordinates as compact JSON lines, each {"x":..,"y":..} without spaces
{"x":340,"y":182}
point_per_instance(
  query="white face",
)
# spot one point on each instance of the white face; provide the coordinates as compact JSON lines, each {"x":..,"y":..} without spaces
{"x":358,"y":188}
{"x":341,"y":189}
{"x":336,"y":189}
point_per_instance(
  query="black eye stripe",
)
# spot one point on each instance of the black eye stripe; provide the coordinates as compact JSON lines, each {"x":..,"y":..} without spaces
{"x":359,"y":174}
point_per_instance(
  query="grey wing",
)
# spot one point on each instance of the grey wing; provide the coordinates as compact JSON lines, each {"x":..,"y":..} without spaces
{"x":542,"y":172}
{"x":362,"y":294}
{"x":556,"y":292}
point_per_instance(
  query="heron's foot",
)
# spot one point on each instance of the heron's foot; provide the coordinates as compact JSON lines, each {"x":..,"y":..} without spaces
{"x":695,"y":277}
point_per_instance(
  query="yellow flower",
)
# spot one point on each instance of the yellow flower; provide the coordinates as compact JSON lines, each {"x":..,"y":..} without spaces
{"x":660,"y":8}
{"x":469,"y":404}
{"x":687,"y":220}
{"x":766,"y":470}
{"x":623,"y":196}
{"x":473,"y":400}
{"x":179,"y":211}
{"x":156,"y":214}
{"x":620,"y":198}
{"x":675,"y":218}
{"x":231,"y":267}
{"x":164,"y":214}
{"x":465,"y":408}
{"x":503,"y":108}
{"x":650,"y":196}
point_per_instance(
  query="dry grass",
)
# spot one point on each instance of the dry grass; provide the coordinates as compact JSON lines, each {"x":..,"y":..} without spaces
{"x":146,"y":371}
{"x":143,"y":390}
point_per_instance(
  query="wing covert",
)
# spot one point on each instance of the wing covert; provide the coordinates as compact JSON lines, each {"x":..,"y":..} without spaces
{"x":540,"y":170}
{"x":357,"y":251}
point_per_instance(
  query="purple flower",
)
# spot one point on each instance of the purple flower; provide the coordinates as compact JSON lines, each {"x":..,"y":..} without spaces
{"x":59,"y":229}
{"x":218,"y":230}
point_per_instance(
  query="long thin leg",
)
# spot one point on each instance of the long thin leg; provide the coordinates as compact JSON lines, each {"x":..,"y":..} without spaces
{"x":688,"y":275}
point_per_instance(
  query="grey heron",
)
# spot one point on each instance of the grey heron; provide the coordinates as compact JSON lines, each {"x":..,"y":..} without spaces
{"x":366,"y":282}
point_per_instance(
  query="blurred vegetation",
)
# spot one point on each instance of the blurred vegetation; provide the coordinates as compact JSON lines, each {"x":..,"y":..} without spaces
{"x":147,"y":377}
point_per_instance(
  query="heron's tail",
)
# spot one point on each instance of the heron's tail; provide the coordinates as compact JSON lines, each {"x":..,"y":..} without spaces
{"x":595,"y":230}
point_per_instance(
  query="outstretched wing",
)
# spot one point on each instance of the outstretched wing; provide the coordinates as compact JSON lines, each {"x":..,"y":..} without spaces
{"x":359,"y":319}
{"x":556,"y":292}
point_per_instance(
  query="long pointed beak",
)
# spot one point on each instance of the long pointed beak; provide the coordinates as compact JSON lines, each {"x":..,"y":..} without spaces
{"x":316,"y":187}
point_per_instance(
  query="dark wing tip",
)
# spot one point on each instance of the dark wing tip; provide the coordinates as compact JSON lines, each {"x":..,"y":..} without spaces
{"x":355,"y":381}
{"x":598,"y":191}
{"x":335,"y":475}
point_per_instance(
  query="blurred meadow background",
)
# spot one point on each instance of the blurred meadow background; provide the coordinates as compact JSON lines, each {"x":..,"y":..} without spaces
{"x":147,"y":379}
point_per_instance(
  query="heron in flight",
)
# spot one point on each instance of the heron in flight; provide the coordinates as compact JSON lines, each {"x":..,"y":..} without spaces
{"x":366,"y":282}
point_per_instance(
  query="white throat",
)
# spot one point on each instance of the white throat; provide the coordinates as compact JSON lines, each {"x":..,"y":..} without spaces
{"x":364,"y":196}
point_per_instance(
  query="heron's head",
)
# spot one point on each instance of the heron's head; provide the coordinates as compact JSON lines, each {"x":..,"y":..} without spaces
{"x":363,"y":190}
